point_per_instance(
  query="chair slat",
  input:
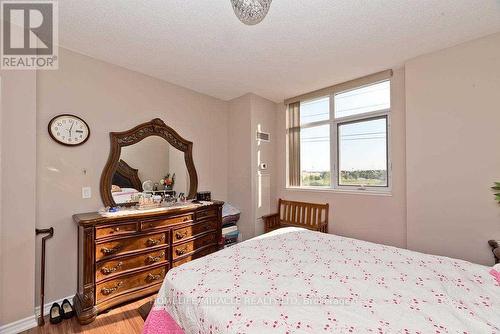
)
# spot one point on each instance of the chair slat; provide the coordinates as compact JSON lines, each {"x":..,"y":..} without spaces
{"x":309,"y":215}
{"x":314,"y":216}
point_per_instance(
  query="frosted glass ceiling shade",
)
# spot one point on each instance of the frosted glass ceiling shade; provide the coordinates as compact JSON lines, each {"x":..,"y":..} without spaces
{"x":251,"y":12}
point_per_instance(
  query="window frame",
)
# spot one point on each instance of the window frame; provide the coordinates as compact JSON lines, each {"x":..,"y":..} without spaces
{"x":335,"y":123}
{"x":380,"y":115}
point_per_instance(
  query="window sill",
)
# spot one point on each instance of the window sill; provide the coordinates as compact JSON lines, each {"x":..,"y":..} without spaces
{"x":369,"y":192}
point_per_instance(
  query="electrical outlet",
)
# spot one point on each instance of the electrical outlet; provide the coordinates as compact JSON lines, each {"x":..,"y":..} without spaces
{"x":86,"y":192}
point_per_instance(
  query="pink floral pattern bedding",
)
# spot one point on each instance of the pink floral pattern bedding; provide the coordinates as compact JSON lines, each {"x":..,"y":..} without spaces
{"x":298,"y":281}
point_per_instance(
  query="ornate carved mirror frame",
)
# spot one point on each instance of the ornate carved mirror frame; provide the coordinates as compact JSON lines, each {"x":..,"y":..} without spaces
{"x":126,"y":138}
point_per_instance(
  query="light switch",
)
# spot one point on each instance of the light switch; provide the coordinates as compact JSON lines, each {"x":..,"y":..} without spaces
{"x":86,"y":192}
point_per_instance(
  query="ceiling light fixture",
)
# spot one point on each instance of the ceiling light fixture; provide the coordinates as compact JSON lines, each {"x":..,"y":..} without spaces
{"x":251,"y":12}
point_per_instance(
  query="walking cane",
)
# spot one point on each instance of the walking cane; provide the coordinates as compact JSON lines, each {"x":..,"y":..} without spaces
{"x":50,"y":231}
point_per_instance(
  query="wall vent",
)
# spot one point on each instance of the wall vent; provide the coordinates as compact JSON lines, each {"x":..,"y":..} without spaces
{"x":263,"y":136}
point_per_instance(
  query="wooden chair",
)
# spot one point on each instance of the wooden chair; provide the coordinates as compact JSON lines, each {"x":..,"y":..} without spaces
{"x":298,"y":214}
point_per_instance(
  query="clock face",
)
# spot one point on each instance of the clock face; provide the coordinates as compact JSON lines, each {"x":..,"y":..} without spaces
{"x":69,"y":130}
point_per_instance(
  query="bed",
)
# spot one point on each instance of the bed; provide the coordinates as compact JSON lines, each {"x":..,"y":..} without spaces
{"x":298,"y":281}
{"x":124,"y":195}
{"x":126,"y":182}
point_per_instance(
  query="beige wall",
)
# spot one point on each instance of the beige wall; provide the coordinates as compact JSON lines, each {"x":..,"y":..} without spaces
{"x":150,"y":156}
{"x":453,"y":132}
{"x":177,"y":166}
{"x":263,"y":181}
{"x":240,"y":162}
{"x":247,"y":114}
{"x":18,"y":180}
{"x":377,"y":218}
{"x":110,"y":98}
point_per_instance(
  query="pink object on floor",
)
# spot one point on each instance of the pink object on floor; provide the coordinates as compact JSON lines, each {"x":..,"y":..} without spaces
{"x":495,"y":274}
{"x":160,"y":322}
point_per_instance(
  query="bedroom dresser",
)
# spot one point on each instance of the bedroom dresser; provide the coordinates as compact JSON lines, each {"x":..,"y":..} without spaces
{"x":122,"y":258}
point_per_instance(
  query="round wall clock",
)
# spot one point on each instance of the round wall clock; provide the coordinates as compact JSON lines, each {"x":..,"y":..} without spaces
{"x":69,"y":130}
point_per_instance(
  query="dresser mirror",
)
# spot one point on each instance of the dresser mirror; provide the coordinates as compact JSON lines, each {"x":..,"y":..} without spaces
{"x":151,"y":158}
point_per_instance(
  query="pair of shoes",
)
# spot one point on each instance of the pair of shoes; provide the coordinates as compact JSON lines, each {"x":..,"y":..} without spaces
{"x":58,"y":313}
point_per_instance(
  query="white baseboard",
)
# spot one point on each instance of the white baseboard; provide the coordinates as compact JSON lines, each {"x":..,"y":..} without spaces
{"x":19,"y":325}
{"x":46,"y":307}
{"x":31,"y":321}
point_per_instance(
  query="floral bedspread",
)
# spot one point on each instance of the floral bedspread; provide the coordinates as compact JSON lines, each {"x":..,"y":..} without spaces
{"x":298,"y":281}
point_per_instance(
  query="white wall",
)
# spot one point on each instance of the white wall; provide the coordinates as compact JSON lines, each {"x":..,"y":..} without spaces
{"x":376,"y":218}
{"x":453,"y":133}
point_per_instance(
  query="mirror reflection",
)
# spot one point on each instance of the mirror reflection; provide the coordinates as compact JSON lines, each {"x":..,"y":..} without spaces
{"x":151,"y":168}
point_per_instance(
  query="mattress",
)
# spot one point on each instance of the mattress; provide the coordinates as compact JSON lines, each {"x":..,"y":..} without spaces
{"x":298,"y":281}
{"x":125,"y":195}
{"x":230,"y":214}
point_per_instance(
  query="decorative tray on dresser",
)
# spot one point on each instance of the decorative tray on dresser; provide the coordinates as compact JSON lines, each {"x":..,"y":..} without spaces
{"x":125,"y":257}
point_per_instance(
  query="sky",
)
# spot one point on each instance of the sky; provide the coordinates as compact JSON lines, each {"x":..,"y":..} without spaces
{"x":362,"y":145}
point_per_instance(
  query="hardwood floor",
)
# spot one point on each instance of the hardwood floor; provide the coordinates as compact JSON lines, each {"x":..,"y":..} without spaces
{"x":121,"y":320}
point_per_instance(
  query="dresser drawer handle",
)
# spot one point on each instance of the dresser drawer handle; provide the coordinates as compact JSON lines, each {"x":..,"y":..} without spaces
{"x":153,"y":259}
{"x":108,"y":291}
{"x":180,"y":236}
{"x":107,"y":271}
{"x":181,"y":251}
{"x":152,"y":224}
{"x":108,"y":251}
{"x":153,"y":242}
{"x":152,"y":278}
{"x":117,"y":229}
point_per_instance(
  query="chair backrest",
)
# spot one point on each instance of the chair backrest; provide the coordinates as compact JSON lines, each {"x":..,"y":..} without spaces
{"x":302,"y":213}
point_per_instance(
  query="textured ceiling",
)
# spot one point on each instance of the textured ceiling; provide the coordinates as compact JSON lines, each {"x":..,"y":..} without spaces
{"x":301,"y":46}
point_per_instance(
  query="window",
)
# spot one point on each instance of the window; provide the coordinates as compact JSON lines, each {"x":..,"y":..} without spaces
{"x":341,"y":140}
{"x":315,"y":143}
{"x":315,"y":156}
{"x":362,"y":147}
{"x":363,"y":100}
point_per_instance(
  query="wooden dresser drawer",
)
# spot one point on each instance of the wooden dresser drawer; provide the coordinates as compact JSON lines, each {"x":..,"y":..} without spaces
{"x":150,"y":225}
{"x":187,"y":232}
{"x":212,"y":213}
{"x":129,"y":282}
{"x":195,"y":255}
{"x":190,"y":246}
{"x":117,"y":229}
{"x":126,"y":257}
{"x":123,"y":245}
{"x":105,"y":269}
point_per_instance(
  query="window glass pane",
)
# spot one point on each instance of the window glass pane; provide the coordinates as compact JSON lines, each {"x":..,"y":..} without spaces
{"x":315,"y":156}
{"x":363,"y":153}
{"x":362,"y":100}
{"x":315,"y":110}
